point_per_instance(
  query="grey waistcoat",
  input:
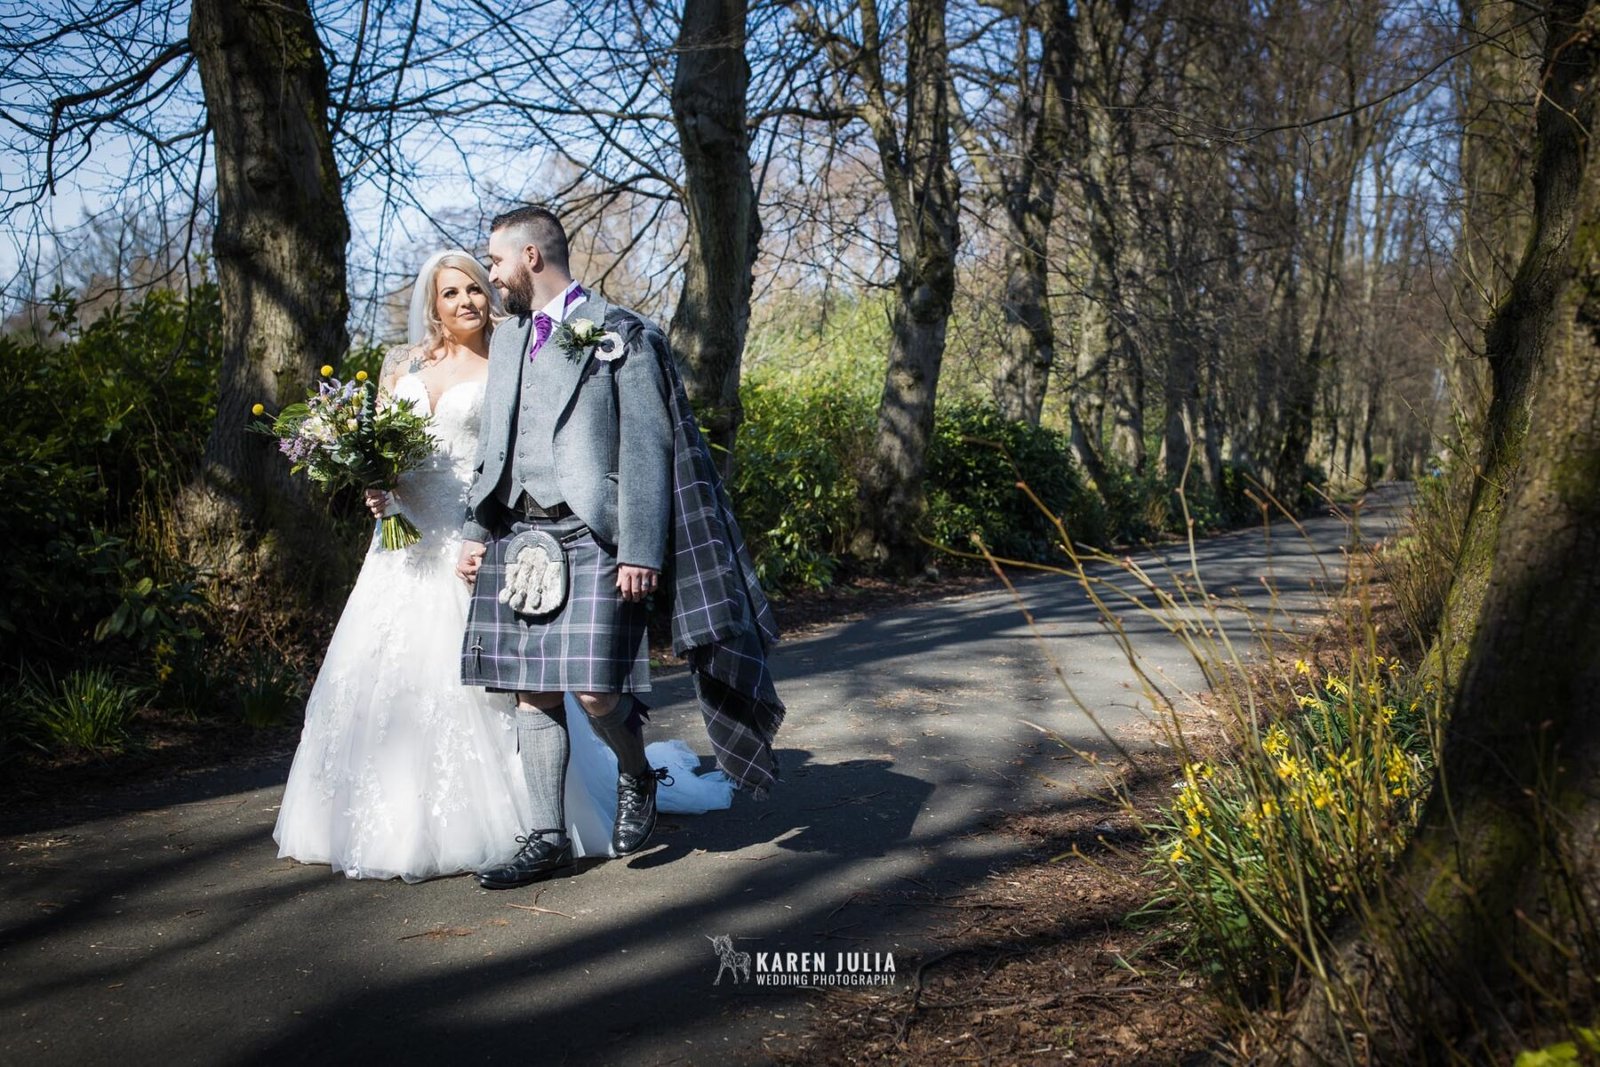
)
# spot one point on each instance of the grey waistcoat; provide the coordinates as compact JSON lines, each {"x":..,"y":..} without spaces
{"x":533,"y":465}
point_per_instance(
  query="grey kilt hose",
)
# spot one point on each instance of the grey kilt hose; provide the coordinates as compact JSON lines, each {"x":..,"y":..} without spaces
{"x":596,"y":643}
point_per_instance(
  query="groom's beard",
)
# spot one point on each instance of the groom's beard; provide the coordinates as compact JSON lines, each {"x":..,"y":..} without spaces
{"x":519,"y":292}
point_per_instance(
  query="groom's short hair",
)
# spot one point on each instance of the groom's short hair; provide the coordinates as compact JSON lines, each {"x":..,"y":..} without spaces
{"x":539,"y":227}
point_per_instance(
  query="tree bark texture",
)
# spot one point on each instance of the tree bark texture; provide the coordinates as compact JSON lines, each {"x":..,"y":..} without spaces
{"x":280,"y":256}
{"x":1515,"y":336}
{"x":1029,"y":350}
{"x":724,"y":231}
{"x":1488,"y":934}
{"x":924,"y":193}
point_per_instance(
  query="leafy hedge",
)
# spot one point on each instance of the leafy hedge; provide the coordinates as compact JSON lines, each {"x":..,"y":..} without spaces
{"x":795,"y":476}
{"x":977,"y":464}
{"x":102,"y":423}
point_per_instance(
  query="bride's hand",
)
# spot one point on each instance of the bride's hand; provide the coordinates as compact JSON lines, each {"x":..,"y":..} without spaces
{"x":470,"y":560}
{"x":377,"y":501}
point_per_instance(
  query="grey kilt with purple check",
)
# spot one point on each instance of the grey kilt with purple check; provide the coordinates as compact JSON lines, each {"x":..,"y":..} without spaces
{"x":596,"y":643}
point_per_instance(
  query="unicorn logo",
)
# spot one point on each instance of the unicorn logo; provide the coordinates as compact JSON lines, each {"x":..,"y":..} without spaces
{"x":731,"y":959}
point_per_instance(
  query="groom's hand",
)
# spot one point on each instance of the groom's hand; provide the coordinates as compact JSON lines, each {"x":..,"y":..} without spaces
{"x":635,"y":583}
{"x":470,"y":560}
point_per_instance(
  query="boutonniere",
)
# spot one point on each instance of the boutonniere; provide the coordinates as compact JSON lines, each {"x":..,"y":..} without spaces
{"x":584,"y":337}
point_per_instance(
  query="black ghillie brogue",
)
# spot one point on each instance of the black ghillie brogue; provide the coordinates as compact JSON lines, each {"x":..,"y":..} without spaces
{"x":636,"y":809}
{"x":536,"y":860}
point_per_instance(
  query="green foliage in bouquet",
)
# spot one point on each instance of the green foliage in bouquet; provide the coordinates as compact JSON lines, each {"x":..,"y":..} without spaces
{"x":341,"y":437}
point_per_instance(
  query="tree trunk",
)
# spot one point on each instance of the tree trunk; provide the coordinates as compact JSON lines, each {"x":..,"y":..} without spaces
{"x":1368,"y":422}
{"x":924,"y":196}
{"x":1513,"y":338}
{"x":1488,"y":933}
{"x":1180,"y":383}
{"x":1030,"y":345}
{"x":713,"y":313}
{"x":280,"y":257}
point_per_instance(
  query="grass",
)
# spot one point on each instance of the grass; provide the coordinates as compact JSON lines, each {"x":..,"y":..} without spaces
{"x":87,"y":711}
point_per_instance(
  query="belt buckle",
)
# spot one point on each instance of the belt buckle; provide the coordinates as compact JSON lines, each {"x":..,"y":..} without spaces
{"x":532,"y":510}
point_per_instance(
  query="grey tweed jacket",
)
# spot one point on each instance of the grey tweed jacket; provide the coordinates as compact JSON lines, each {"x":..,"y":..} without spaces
{"x":613,"y":436}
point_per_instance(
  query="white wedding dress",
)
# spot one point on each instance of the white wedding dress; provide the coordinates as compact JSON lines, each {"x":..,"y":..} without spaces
{"x":403,"y":772}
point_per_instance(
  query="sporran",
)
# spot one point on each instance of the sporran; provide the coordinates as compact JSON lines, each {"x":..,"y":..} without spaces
{"x":535,"y":574}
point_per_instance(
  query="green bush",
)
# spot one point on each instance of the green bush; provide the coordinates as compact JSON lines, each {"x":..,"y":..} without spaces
{"x":1218,"y":508}
{"x":103,"y":423}
{"x":975,"y":462}
{"x":794,"y":478}
{"x":19,"y":731}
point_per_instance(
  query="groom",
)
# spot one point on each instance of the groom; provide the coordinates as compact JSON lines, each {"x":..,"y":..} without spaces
{"x":577,"y":442}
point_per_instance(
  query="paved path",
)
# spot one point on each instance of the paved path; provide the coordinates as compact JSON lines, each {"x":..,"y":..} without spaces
{"x":158,"y":926}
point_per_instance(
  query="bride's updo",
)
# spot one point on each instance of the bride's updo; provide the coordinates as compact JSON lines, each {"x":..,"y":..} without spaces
{"x":424,"y":330}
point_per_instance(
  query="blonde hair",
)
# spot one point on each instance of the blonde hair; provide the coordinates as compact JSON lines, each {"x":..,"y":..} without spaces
{"x":424,"y":328}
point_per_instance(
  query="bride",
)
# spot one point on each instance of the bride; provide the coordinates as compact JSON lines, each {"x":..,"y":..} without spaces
{"x":402,"y":771}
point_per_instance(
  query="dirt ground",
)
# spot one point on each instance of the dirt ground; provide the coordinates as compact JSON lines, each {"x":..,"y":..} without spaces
{"x":1061,"y":958}
{"x":1046,"y":962}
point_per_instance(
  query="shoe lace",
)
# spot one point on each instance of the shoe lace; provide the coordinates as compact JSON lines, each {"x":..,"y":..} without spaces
{"x":632,"y":794}
{"x":534,"y":842}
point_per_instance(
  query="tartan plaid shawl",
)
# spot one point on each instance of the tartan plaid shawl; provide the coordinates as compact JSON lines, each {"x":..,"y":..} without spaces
{"x":721,"y":622}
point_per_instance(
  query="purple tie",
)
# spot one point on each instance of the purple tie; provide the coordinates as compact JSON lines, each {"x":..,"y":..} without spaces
{"x":542,"y":325}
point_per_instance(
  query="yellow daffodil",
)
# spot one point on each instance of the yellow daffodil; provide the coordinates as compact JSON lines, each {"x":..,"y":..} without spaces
{"x":327,"y":370}
{"x":1288,"y":768}
{"x":258,"y":410}
{"x":1177,"y":855}
{"x":1395,"y":765}
{"x":1276,"y":743}
{"x":1302,"y":667}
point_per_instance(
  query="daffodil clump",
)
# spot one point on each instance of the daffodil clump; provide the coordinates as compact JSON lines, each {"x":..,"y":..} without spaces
{"x":1263,"y":854}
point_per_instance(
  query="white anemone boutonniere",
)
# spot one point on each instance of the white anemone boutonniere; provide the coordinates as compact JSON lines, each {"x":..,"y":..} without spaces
{"x":584,"y":337}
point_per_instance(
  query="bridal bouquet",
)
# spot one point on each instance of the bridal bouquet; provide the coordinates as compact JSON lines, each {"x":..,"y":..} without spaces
{"x":341,"y":437}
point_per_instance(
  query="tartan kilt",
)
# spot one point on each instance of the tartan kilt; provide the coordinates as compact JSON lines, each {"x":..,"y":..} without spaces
{"x":596,"y":643}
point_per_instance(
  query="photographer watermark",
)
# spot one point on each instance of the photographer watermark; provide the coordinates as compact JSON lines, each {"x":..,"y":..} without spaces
{"x":812,"y":969}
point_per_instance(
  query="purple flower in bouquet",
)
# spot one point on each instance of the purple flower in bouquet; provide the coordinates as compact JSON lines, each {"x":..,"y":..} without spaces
{"x":342,"y":437}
